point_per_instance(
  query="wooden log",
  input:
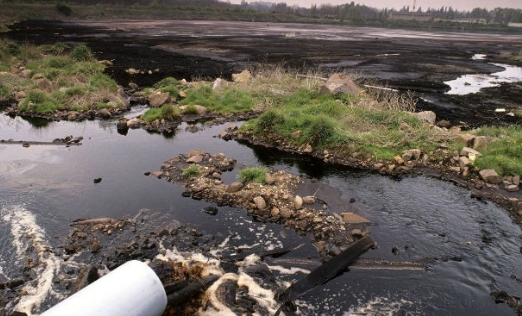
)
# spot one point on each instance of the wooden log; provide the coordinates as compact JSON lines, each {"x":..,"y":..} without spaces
{"x":331,"y":268}
{"x":190,"y":290}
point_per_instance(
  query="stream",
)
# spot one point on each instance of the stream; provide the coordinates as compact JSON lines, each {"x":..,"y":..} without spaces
{"x":470,"y":247}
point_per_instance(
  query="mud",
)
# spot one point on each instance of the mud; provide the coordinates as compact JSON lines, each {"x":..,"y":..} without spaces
{"x":400,"y":59}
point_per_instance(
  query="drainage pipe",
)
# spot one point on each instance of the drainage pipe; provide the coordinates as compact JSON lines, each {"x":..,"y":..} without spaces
{"x":133,"y":289}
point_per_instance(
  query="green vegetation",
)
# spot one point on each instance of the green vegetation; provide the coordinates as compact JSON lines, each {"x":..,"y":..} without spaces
{"x":166,"y":111}
{"x":504,"y":153}
{"x":55,"y":78}
{"x":253,"y":174}
{"x":191,"y":172}
{"x":229,"y":100}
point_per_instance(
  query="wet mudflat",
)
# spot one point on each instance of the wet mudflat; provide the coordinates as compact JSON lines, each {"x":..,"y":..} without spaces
{"x":419,"y":61}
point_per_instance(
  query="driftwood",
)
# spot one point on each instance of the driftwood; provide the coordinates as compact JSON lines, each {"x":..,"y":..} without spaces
{"x":67,"y":141}
{"x":325,"y":272}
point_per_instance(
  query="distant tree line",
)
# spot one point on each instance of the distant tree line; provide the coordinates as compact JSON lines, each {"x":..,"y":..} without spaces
{"x":344,"y":12}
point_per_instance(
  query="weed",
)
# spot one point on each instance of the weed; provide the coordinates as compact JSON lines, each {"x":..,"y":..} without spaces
{"x":191,"y":171}
{"x":81,"y":53}
{"x":253,"y":174}
{"x":168,"y":112}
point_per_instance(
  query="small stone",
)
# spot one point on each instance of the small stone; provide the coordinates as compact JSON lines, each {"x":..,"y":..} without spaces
{"x":357,"y":232}
{"x":320,"y":246}
{"x":399,"y":160}
{"x":466,"y":139}
{"x":466,"y":151}
{"x":97,"y":180}
{"x":489,"y":175}
{"x":260,"y":202}
{"x":352,"y":218}
{"x":298,"y":202}
{"x":182,"y":95}
{"x":463,"y":162}
{"x":234,"y":187}
{"x":275,"y":212}
{"x":480,"y":142}
{"x":511,"y":188}
{"x":195,"y":159}
{"x":308,"y":200}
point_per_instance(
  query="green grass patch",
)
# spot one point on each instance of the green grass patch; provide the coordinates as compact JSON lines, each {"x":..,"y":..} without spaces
{"x":81,"y":53}
{"x":228,"y":100}
{"x":504,"y":152}
{"x":253,"y":174}
{"x":167,"y":112}
{"x":39,"y":101}
{"x":341,"y":123}
{"x":192,"y":171}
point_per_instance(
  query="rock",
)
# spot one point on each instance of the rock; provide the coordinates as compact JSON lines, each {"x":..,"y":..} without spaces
{"x":105,"y":113}
{"x":242,"y":77}
{"x":234,"y":187}
{"x":86,"y":276}
{"x":444,"y":124}
{"x":200,"y":109}
{"x":97,"y":180}
{"x":182,"y":95}
{"x":352,"y":218}
{"x":260,"y":202}
{"x":298,"y":202}
{"x":195,"y":159}
{"x":308,"y":200}
{"x":106,"y":62}
{"x":269,"y":179}
{"x":122,"y":124}
{"x":308,"y":149}
{"x":212,"y":210}
{"x":490,"y":176}
{"x":480,"y":142}
{"x":287,"y":213}
{"x":516,"y":180}
{"x":464,"y":162}
{"x":320,"y":246}
{"x":427,"y":117}
{"x":134,"y":123}
{"x":217,"y":84}
{"x":411,"y":154}
{"x":511,"y":188}
{"x":399,"y":160}
{"x":466,"y":139}
{"x":466,"y":152}
{"x":158,"y":99}
{"x":338,"y":83}
{"x":455,"y":169}
{"x":275,"y":212}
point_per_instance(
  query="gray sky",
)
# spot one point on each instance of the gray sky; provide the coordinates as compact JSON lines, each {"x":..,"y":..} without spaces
{"x":461,"y":5}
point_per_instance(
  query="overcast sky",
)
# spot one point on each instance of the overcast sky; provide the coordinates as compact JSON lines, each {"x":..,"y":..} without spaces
{"x":461,"y":5}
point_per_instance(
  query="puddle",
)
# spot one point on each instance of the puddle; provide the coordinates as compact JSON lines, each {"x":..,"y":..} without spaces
{"x":473,"y":83}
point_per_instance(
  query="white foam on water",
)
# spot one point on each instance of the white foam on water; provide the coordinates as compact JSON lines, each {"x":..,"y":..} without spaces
{"x":288,"y":271}
{"x":28,"y":236}
{"x":382,"y":306}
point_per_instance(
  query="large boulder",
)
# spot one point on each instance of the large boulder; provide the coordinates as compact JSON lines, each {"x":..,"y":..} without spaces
{"x":158,"y":99}
{"x":338,"y":83}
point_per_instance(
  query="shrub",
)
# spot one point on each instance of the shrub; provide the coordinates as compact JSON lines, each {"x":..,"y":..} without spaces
{"x":191,"y":171}
{"x":253,"y":174}
{"x":82,"y":53}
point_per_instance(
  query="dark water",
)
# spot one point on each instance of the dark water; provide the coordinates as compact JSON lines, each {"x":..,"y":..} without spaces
{"x":470,"y":247}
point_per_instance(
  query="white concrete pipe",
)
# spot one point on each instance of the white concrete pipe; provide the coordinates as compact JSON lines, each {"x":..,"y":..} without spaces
{"x":133,"y":289}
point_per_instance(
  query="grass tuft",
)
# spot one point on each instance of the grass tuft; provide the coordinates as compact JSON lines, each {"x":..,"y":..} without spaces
{"x":192,"y":171}
{"x":253,"y":174}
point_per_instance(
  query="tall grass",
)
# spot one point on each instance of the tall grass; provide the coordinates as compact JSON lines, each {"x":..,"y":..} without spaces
{"x":253,"y":174}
